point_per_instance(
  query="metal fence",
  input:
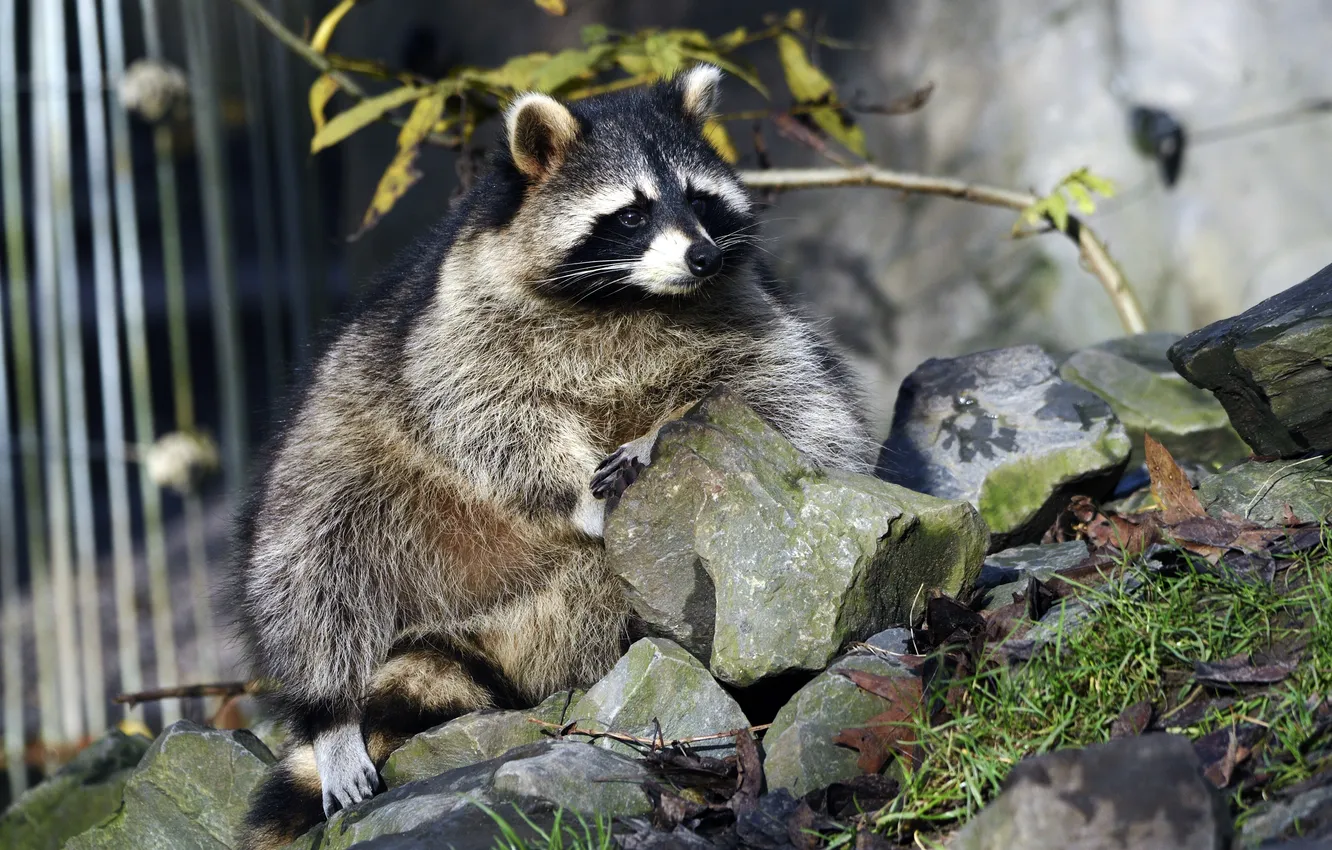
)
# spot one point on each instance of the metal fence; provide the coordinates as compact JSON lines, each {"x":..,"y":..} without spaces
{"x":157,"y":278}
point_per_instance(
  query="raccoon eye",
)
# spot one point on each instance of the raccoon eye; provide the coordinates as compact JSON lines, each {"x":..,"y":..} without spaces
{"x":700,"y":207}
{"x":633,"y":218}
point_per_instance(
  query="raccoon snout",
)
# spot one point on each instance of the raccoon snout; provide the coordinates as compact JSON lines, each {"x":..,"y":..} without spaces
{"x":704,"y":259}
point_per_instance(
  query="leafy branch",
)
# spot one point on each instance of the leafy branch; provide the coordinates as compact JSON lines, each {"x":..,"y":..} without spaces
{"x":446,"y":112}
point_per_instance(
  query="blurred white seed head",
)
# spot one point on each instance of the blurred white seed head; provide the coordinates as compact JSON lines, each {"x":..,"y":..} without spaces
{"x":154,"y":90}
{"x":180,"y":460}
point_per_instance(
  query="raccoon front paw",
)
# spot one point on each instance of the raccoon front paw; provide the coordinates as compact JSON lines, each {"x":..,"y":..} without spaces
{"x":621,"y":468}
{"x":345,"y":770}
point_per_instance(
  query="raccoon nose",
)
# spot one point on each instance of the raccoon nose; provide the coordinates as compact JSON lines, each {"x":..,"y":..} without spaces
{"x":704,"y":259}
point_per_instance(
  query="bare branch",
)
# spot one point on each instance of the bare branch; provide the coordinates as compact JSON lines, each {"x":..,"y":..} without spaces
{"x":654,"y":743}
{"x":221,"y":689}
{"x":1095,"y":257}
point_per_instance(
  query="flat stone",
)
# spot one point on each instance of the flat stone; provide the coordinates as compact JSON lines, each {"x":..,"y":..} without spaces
{"x":734,"y":546}
{"x":1271,"y":368}
{"x":1137,"y":793}
{"x":79,"y":796}
{"x":658,"y":686}
{"x":1001,"y":430}
{"x":472,"y":738}
{"x":1135,"y":377}
{"x":1006,"y":573}
{"x":579,"y":778}
{"x":189,"y":792}
{"x":799,"y":753}
{"x":1261,"y":491}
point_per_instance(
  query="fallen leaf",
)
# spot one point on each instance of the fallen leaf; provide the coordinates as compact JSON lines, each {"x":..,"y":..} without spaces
{"x":1223,"y":750}
{"x":949,"y":621}
{"x":1133,"y":720}
{"x":1240,"y":670}
{"x":1170,"y":484}
{"x":885,"y":734}
{"x":1289,"y":517}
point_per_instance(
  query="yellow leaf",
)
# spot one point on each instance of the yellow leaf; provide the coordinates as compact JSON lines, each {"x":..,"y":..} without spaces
{"x":634,"y":62}
{"x":422,"y":120}
{"x":324,"y":31}
{"x":133,"y":726}
{"x":795,"y":19}
{"x":807,"y":83}
{"x":518,"y":74}
{"x":1099,"y":185}
{"x":664,"y":53}
{"x":730,"y":41}
{"x":838,"y":124}
{"x":400,"y":176}
{"x":321,"y":90}
{"x":715,"y":133}
{"x":367,"y":111}
{"x":1081,"y":197}
{"x":553,"y":7}
{"x":567,"y":65}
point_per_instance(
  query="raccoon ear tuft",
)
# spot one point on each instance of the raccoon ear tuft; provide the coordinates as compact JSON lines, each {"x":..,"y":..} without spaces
{"x":541,"y":130}
{"x":700,"y":90}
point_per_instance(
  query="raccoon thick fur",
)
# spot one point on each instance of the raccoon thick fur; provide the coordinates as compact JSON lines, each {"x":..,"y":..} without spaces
{"x":426,"y":538}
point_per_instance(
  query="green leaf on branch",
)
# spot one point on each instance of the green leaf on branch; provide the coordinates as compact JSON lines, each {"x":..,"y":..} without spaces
{"x":715,"y":132}
{"x":367,"y":111}
{"x":1077,"y":187}
{"x":566,"y":66}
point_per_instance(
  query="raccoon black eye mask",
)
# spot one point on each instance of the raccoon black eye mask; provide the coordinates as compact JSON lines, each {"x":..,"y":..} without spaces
{"x":425,"y":539}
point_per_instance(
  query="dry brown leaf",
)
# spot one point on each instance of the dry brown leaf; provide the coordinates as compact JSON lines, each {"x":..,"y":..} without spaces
{"x":1133,"y":720}
{"x":1170,"y":485}
{"x":884,"y":734}
{"x":749,"y":778}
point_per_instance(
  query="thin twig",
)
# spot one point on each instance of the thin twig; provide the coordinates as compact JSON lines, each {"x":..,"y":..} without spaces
{"x":655,"y":743}
{"x":301,"y":47}
{"x":221,"y":689}
{"x":1093,"y":251}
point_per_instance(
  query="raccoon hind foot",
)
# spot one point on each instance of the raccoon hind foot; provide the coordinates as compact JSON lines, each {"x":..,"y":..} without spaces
{"x":345,"y":771}
{"x":622,"y":468}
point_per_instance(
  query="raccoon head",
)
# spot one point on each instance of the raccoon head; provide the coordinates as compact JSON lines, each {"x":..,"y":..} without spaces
{"x":622,"y":197}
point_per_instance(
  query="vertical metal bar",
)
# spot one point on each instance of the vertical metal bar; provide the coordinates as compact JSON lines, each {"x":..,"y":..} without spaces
{"x":108,"y":331}
{"x":90,"y":687}
{"x":52,"y":587}
{"x":290,"y":195}
{"x":16,"y":283}
{"x":217,"y":238}
{"x":136,"y":338}
{"x":253,"y":90}
{"x":177,"y":319}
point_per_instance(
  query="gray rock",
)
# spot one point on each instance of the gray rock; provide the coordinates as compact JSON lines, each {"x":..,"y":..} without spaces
{"x":658,"y":685}
{"x":583,"y":779}
{"x":412,"y":806}
{"x":578,"y":777}
{"x":1136,"y":378}
{"x":1003,"y":431}
{"x":81,"y":795}
{"x":189,"y":792}
{"x":472,"y":738}
{"x":1143,"y":793}
{"x":896,"y":640}
{"x":1307,"y":815}
{"x":799,"y":753}
{"x":474,"y":828}
{"x":1261,"y":491}
{"x":735,"y":547}
{"x":1006,"y":573}
{"x":1271,"y":367}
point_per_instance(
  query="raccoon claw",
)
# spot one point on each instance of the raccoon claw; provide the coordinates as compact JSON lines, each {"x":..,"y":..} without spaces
{"x":620,"y":469}
{"x":354,"y":785}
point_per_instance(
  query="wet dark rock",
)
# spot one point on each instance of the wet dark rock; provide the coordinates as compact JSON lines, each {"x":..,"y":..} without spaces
{"x":1271,"y":368}
{"x":1002,"y":430}
{"x":1006,"y":573}
{"x":1141,"y":793}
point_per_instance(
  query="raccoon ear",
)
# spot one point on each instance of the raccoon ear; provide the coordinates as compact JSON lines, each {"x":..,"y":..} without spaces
{"x":541,"y":130}
{"x":700,"y":90}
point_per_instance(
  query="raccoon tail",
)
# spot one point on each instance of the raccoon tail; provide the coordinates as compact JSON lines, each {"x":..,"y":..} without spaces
{"x":413,"y":691}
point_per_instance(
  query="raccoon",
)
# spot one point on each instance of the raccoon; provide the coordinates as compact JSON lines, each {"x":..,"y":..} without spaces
{"x":427,"y":537}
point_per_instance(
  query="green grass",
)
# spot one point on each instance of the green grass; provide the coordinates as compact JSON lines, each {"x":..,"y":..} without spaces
{"x":1137,"y":645}
{"x":568,"y":831}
